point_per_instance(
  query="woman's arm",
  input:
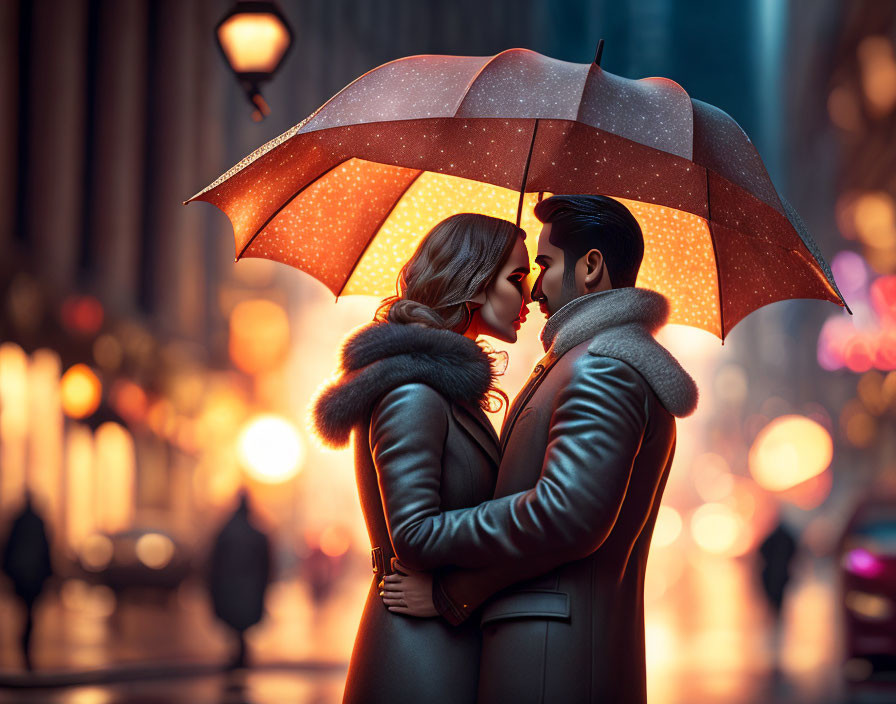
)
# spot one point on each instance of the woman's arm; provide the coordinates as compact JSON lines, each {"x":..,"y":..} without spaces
{"x":408,"y":429}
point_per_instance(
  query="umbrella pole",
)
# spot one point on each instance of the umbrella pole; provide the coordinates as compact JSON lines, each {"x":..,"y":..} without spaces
{"x":598,"y":52}
{"x":519,"y":207}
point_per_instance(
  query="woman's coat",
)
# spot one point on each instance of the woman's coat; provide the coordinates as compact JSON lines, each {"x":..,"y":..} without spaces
{"x":422,"y":446}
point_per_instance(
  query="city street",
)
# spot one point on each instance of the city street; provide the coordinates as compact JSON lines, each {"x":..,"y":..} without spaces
{"x":708,"y":641}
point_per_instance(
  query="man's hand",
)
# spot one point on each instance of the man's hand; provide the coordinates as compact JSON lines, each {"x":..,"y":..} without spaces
{"x":407,"y":592}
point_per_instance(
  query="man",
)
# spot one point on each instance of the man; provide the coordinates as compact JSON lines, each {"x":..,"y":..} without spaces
{"x":559,"y":556}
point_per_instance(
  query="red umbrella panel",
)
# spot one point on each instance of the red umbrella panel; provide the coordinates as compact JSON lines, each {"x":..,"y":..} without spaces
{"x":347,"y":194}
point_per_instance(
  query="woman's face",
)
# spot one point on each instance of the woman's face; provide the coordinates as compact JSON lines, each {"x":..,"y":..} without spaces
{"x":503,"y":305}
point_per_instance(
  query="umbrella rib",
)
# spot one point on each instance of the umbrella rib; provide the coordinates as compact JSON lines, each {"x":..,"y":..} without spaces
{"x":519,"y":207}
{"x":284,"y":205}
{"x":376,"y":230}
{"x":715,"y":256}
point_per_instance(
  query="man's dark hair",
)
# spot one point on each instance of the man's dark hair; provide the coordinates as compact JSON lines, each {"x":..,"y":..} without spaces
{"x":580,"y":223}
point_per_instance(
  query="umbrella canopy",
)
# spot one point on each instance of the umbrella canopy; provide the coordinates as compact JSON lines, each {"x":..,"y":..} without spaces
{"x":347,"y":194}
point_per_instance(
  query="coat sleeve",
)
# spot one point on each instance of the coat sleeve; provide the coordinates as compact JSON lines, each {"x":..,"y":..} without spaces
{"x":596,"y":430}
{"x":408,"y":428}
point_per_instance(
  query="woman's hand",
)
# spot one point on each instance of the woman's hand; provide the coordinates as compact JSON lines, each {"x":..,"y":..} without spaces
{"x":407,"y":592}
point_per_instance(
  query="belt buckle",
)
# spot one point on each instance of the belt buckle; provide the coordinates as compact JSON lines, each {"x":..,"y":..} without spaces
{"x":376,"y":559}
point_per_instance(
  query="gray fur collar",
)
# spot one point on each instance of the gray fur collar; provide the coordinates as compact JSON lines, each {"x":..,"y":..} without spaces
{"x":382,"y":356}
{"x":621,"y":323}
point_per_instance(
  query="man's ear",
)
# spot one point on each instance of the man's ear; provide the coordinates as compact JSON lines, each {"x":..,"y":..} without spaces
{"x":594,"y":267}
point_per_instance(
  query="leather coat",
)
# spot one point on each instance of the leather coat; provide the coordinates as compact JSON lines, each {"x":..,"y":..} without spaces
{"x":422,"y":445}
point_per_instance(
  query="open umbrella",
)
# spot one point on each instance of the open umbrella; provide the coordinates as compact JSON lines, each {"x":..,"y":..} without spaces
{"x":347,"y":194}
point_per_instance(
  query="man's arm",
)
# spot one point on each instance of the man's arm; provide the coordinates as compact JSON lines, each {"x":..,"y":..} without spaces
{"x":596,"y":430}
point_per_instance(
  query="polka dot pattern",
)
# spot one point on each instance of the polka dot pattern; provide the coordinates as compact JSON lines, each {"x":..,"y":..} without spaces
{"x":679,"y":263}
{"x":348,"y":192}
{"x":325,"y":230}
{"x":432,"y":198}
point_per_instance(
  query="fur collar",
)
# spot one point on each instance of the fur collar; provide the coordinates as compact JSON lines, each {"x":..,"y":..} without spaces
{"x":382,"y":356}
{"x":621,"y":323}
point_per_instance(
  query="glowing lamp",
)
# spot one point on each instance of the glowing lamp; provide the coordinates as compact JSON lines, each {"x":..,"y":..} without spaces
{"x":254,"y":38}
{"x":271,"y":448}
{"x":80,"y":391}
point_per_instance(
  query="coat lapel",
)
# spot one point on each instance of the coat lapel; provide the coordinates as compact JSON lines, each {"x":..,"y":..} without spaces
{"x":538,"y":374}
{"x":476,"y":423}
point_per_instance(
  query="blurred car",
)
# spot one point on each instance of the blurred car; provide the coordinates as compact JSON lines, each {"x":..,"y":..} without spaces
{"x":135,"y":558}
{"x":867,"y":553}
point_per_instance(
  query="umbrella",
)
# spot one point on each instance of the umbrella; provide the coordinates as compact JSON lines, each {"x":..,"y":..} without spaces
{"x":347,"y":194}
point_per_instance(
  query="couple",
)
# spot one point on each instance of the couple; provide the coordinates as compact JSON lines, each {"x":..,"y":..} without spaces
{"x":512,"y":569}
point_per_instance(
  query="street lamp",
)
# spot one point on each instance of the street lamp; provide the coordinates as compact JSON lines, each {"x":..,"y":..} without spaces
{"x":254,"y":38}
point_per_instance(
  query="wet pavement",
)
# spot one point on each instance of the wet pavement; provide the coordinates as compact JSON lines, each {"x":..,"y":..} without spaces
{"x":710,"y":640}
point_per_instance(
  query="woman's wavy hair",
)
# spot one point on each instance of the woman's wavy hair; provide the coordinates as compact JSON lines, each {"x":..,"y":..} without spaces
{"x":455,"y":262}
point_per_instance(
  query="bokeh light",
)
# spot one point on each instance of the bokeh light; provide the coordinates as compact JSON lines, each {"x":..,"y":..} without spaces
{"x":259,"y":335}
{"x":878,"y":73}
{"x":716,"y":528}
{"x":271,"y":448}
{"x":711,"y":476}
{"x":850,"y":271}
{"x":154,"y":550}
{"x":82,"y":314}
{"x":875,"y":219}
{"x":667,"y":528}
{"x":96,"y":552}
{"x":788,"y":451}
{"x":334,"y":541}
{"x":81,"y":391}
{"x":883,"y":298}
{"x":859,"y":426}
{"x":108,"y":352}
{"x":731,"y":384}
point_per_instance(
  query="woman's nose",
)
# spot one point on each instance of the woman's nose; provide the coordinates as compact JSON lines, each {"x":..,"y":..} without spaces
{"x":527,"y":295}
{"x":535,"y":293}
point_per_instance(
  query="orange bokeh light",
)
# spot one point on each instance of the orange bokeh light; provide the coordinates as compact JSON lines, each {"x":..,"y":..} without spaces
{"x":259,"y":335}
{"x":81,"y":391}
{"x":334,"y":541}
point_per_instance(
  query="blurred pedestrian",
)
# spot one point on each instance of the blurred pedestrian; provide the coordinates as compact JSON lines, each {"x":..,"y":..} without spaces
{"x":776,"y":554}
{"x":240,"y":570}
{"x":26,"y":561}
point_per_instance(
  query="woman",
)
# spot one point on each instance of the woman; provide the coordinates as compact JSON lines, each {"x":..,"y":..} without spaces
{"x":414,"y":386}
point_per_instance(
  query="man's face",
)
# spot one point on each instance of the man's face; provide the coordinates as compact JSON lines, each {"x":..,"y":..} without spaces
{"x":548,"y":288}
{"x":553,"y":289}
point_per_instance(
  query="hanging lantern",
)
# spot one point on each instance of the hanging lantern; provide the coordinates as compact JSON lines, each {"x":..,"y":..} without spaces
{"x":254,"y":38}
